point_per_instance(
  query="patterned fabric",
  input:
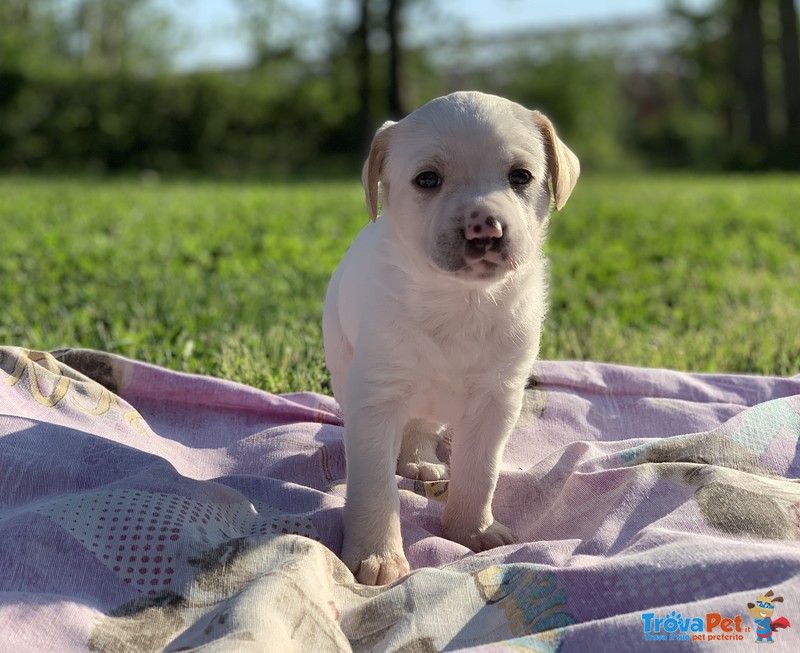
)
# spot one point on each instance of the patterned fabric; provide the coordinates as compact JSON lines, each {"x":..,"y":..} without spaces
{"x":145,"y":510}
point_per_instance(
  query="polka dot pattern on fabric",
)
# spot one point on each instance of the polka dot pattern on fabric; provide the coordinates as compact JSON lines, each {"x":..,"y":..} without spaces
{"x":144,"y":537}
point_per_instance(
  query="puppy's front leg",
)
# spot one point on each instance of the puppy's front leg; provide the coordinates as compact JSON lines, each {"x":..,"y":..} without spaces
{"x":373,"y":545}
{"x":477,"y":448}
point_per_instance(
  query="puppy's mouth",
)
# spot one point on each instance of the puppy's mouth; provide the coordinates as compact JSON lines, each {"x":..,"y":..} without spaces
{"x":489,"y":266}
{"x":483,"y":270}
{"x":484,"y":259}
{"x":484,"y":248}
{"x":487,"y":250}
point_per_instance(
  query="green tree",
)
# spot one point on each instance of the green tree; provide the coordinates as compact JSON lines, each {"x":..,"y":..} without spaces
{"x":721,"y":87}
{"x":95,"y":36}
{"x":112,"y":36}
{"x":790,"y":58}
{"x":748,"y":34}
{"x":31,"y":35}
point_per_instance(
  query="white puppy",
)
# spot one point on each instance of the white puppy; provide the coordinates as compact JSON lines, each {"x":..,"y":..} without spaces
{"x":434,"y":314}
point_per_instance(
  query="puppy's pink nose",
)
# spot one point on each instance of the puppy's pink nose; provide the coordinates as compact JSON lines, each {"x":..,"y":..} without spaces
{"x":480,"y":228}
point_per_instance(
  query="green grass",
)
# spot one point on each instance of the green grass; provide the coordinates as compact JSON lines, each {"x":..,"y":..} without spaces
{"x":692,"y":273}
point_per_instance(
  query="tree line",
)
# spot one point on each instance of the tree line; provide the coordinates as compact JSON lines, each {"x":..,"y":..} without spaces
{"x":91,"y":85}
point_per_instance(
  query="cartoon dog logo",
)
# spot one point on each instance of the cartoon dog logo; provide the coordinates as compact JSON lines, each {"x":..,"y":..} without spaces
{"x":762,"y":611}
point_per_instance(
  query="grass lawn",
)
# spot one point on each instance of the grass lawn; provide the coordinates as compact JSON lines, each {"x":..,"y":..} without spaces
{"x":693,"y":273}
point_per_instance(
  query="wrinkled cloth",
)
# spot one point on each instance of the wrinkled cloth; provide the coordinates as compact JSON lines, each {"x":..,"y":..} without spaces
{"x":143,"y":509}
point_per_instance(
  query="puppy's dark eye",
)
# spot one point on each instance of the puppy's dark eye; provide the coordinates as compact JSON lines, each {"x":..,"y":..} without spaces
{"x":428,"y":179}
{"x":520,"y":177}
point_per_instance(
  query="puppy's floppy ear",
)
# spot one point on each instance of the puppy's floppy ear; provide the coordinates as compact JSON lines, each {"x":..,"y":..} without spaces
{"x":563,"y":166}
{"x":373,"y":167}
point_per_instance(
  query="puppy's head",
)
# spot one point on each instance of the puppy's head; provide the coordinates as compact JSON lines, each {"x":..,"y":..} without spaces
{"x":467,"y":181}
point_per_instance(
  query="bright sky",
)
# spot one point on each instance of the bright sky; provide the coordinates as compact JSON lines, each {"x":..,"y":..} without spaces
{"x":213,"y":37}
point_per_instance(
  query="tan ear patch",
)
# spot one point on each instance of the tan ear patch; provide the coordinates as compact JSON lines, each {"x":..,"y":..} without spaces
{"x":563,"y":166}
{"x":374,"y":166}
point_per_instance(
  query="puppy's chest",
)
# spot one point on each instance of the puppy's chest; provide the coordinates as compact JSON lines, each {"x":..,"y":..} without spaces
{"x":465,"y":339}
{"x":454,"y":359}
{"x":460,"y":349}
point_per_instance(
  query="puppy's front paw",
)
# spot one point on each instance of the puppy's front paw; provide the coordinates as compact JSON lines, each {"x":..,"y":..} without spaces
{"x":493,"y":536}
{"x":378,"y":569}
{"x":423,"y":471}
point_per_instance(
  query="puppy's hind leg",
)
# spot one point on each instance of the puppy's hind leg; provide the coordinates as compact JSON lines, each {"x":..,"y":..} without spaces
{"x":338,"y":349}
{"x":418,"y":459}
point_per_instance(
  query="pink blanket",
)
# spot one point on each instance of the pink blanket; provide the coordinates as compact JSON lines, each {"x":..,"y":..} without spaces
{"x":143,"y":509}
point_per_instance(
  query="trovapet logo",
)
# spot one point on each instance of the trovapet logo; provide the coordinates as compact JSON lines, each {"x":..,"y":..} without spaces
{"x":714,"y":626}
{"x":711,"y":627}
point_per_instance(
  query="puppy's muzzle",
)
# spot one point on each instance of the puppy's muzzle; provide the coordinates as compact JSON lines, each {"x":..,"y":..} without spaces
{"x":484,"y":236}
{"x":479,"y":227}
